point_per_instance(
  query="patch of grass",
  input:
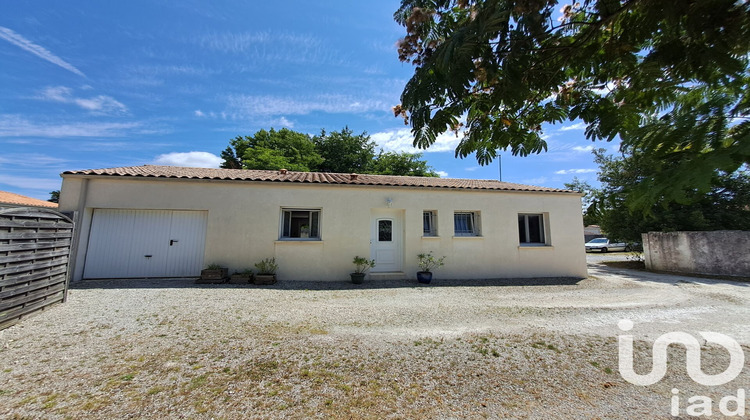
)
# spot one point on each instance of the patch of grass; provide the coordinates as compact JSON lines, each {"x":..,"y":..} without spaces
{"x":543,"y":345}
{"x":127,"y":377}
{"x":344,"y":387}
{"x":50,"y":401}
{"x":198,"y":382}
{"x":94,"y":404}
{"x":607,"y":370}
{"x":28,"y":400}
{"x":480,"y":349}
{"x":155,"y":390}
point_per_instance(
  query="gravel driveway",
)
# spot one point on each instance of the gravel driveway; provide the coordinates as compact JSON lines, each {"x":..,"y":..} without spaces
{"x":479,"y":349}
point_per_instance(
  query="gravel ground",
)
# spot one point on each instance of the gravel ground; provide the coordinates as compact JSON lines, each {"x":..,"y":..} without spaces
{"x":480,"y":349}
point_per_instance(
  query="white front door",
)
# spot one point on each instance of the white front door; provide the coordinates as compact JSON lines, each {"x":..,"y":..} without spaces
{"x":386,"y":239}
{"x":145,"y":243}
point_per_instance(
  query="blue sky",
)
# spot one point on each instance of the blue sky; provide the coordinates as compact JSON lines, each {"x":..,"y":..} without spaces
{"x":105,"y":84}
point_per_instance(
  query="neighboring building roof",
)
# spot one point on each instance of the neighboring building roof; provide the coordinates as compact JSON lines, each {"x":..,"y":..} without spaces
{"x":592,"y":230}
{"x":21,"y":200}
{"x":153,"y":171}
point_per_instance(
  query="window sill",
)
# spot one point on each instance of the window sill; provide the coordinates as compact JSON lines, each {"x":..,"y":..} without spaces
{"x":298,"y":241}
{"x":468,"y":237}
{"x":535,"y":246}
{"x":430,"y":237}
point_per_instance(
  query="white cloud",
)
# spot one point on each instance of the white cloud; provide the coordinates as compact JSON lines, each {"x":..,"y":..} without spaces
{"x":191,"y":159}
{"x":402,"y":140}
{"x":46,"y":184}
{"x":442,"y":174}
{"x":576,"y":126}
{"x":583,"y":148}
{"x":535,"y":181}
{"x":99,"y":105}
{"x":39,"y":51}
{"x":575,"y":171}
{"x":472,"y":168}
{"x":17,"y":126}
{"x":283,"y":122}
{"x":274,"y":47}
{"x":249,"y":106}
{"x":199,"y":113}
{"x":33,"y":160}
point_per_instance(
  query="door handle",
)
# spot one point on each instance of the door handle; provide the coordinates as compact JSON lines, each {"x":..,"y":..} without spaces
{"x":172,"y":242}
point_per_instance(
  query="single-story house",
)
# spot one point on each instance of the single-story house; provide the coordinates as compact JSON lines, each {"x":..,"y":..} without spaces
{"x":592,"y":232}
{"x":164,"y":221}
{"x":11,"y":200}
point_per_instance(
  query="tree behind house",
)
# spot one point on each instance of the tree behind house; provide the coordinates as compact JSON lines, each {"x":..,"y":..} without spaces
{"x":337,"y":151}
{"x":726,"y":206}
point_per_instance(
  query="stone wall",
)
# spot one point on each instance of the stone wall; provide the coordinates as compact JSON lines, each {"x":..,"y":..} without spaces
{"x":723,"y":252}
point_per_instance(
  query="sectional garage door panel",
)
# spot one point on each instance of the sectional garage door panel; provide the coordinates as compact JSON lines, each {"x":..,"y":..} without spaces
{"x":145,"y":243}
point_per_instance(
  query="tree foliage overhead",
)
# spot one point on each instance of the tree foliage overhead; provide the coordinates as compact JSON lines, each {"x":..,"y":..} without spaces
{"x":338,"y":151}
{"x":726,"y":205}
{"x":670,"y":78}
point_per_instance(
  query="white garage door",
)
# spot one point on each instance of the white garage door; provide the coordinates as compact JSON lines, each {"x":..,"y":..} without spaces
{"x":145,"y":243}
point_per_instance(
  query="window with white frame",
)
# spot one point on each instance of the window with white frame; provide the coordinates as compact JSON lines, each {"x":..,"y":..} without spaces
{"x":429,"y":223}
{"x":466,"y":223}
{"x":300,"y":224}
{"x":531,"y":229}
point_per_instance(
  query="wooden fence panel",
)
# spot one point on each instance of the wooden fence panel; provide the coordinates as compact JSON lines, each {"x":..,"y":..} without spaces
{"x":34,"y":254}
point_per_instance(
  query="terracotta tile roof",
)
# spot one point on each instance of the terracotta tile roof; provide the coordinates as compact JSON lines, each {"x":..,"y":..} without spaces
{"x":153,"y":171}
{"x":22,"y":200}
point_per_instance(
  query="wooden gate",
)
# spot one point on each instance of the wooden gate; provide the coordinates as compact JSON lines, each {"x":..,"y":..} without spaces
{"x":35,"y":248}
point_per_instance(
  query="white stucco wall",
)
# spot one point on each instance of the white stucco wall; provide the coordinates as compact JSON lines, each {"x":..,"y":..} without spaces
{"x":244,"y":218}
{"x":721,"y":252}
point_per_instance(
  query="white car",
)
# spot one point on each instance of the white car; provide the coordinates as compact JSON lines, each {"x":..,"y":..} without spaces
{"x":605,"y":245}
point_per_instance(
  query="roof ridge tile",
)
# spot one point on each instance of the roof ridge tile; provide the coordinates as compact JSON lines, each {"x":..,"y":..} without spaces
{"x":156,"y":171}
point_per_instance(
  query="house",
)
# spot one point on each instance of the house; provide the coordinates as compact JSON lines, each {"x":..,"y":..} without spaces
{"x":163,"y":221}
{"x":592,"y":232}
{"x":9,"y":199}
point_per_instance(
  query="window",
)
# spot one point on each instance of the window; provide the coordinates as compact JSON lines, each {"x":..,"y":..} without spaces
{"x":385,"y":230}
{"x":531,"y":229}
{"x":300,"y":224}
{"x":466,"y":223}
{"x":429,"y":219}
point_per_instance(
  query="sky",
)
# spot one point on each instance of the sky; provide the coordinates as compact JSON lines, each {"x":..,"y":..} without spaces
{"x":86,"y":85}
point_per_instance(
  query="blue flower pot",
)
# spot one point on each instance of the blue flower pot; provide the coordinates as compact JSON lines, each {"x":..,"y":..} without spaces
{"x":424,"y":277}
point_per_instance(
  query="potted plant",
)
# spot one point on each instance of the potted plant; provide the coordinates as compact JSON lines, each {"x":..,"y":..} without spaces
{"x":246,"y":276}
{"x":214,"y":273}
{"x":266,"y":271}
{"x":304,"y":231}
{"x":427,"y":262}
{"x":362,"y":264}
